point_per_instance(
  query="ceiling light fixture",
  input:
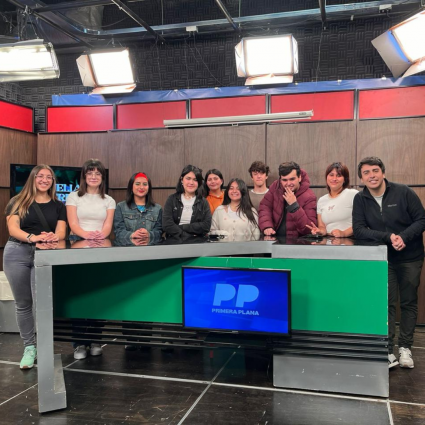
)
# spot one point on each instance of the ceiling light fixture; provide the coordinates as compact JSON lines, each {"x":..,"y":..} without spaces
{"x":109,"y":71}
{"x":267,"y":60}
{"x":28,"y":60}
{"x":402,"y":47}
{"x":240,"y":119}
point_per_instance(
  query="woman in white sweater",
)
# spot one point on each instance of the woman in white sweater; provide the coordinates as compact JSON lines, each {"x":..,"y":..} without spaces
{"x":236,"y":216}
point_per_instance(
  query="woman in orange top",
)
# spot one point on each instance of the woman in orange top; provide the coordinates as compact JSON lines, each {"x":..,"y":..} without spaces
{"x":213,"y":188}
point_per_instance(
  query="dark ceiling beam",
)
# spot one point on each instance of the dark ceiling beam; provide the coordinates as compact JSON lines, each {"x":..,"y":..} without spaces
{"x":71,"y":5}
{"x":227,"y":15}
{"x":52,"y":24}
{"x":139,"y":20}
{"x":322,"y":6}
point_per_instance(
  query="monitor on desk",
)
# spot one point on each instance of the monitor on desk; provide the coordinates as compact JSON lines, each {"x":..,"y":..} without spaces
{"x":235,"y":299}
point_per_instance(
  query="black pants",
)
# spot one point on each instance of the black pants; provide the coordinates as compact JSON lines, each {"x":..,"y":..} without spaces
{"x":403,"y":280}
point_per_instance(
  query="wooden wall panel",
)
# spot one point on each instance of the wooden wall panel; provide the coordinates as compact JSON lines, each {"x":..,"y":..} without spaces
{"x":161,"y":195}
{"x":4,"y":199}
{"x":229,"y":149}
{"x":400,"y":145}
{"x":320,"y":191}
{"x":158,"y":153}
{"x":313,"y":146}
{"x":118,"y":195}
{"x":72,"y":149}
{"x":16,"y":147}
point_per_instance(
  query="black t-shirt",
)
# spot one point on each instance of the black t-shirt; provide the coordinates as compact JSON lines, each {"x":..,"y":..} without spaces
{"x":53,"y":211}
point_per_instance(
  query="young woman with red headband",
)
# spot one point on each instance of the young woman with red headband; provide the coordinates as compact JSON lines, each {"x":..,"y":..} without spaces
{"x":138,"y":218}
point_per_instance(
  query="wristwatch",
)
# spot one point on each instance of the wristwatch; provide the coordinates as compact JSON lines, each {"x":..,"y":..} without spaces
{"x":29,"y":237}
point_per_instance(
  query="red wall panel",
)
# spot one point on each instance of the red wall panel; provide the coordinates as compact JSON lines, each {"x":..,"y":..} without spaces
{"x":228,"y":106}
{"x":331,"y":106}
{"x":149,"y":115}
{"x":387,"y":103}
{"x":80,"y":118}
{"x":16,"y":116}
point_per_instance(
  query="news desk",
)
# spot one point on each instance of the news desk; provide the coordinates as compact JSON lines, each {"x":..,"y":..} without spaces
{"x":338,"y":303}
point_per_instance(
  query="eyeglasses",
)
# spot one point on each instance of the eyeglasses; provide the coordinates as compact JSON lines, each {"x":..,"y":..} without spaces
{"x":42,"y":177}
{"x":94,"y":174}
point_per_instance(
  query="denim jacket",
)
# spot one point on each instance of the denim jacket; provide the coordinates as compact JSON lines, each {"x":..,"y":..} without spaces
{"x":128,"y":220}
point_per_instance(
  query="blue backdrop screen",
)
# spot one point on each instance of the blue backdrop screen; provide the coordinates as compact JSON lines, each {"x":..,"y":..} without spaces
{"x":247,"y":300}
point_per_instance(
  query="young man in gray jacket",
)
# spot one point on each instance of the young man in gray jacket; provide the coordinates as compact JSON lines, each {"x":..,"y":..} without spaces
{"x":393,"y":214}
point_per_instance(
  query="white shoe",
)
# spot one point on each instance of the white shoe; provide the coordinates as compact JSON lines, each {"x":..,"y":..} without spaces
{"x":392,"y":361}
{"x":95,"y":349}
{"x":80,"y":352}
{"x":405,"y":358}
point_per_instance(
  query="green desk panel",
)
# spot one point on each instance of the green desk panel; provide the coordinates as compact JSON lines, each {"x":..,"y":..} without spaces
{"x":327,"y":295}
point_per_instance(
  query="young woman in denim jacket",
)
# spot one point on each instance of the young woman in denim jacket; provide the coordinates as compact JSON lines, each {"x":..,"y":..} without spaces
{"x":186,"y":212}
{"x":138,"y":219}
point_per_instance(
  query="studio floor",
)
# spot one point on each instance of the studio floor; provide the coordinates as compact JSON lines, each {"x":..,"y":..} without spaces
{"x":196,"y":387}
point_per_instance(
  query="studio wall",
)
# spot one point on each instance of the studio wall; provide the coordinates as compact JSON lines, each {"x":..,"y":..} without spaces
{"x":162,"y":153}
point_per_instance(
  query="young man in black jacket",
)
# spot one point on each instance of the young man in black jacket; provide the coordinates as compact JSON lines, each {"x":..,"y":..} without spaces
{"x":393,"y":214}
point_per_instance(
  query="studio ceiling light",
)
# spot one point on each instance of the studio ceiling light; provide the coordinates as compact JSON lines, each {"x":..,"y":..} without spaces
{"x":28,"y":60}
{"x":109,"y":71}
{"x":267,"y":60}
{"x":240,"y":119}
{"x":403,"y":46}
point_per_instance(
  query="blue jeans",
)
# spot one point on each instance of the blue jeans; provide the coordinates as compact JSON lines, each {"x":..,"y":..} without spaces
{"x":18,"y":265}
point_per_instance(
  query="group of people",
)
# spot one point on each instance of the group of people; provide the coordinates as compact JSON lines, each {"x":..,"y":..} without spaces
{"x":383,"y":211}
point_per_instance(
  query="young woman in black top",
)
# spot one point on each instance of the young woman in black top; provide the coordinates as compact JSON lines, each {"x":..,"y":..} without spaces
{"x":34,"y":215}
{"x":186,"y":212}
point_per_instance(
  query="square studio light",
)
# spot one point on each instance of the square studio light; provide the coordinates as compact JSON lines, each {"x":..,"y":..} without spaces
{"x":267,"y":60}
{"x":109,"y":71}
{"x":402,"y":47}
{"x":28,"y":60}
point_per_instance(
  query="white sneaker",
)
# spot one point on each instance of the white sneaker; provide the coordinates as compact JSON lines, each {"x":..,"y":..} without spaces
{"x":80,"y":352}
{"x":95,"y":349}
{"x":392,"y":361}
{"x":405,"y":358}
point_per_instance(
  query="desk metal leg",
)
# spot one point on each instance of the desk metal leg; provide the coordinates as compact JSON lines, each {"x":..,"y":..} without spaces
{"x":51,"y":383}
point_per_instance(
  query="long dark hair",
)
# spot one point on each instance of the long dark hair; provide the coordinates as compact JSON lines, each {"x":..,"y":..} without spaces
{"x":129,"y":198}
{"x":245,"y":205}
{"x":206,"y":189}
{"x":88,"y":166}
{"x":198,"y":174}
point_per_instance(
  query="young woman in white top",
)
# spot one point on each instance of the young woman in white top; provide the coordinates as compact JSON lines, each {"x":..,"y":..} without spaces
{"x":236,"y":216}
{"x":334,"y":211}
{"x":90,"y":211}
{"x":90,"y":215}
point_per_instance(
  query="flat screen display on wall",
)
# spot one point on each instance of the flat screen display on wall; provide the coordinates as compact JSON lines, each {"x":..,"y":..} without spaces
{"x":233,"y":299}
{"x":67,"y":179}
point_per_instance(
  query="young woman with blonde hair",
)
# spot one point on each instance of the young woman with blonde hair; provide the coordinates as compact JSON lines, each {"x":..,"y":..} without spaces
{"x":33,"y":216}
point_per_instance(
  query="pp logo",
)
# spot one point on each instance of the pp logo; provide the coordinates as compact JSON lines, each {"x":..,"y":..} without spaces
{"x":226,"y":292}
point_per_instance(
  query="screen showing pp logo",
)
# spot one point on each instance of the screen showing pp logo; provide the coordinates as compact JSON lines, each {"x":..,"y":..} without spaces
{"x":243,"y":294}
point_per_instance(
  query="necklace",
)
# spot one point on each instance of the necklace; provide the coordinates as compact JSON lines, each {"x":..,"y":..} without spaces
{"x":188,"y":196}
